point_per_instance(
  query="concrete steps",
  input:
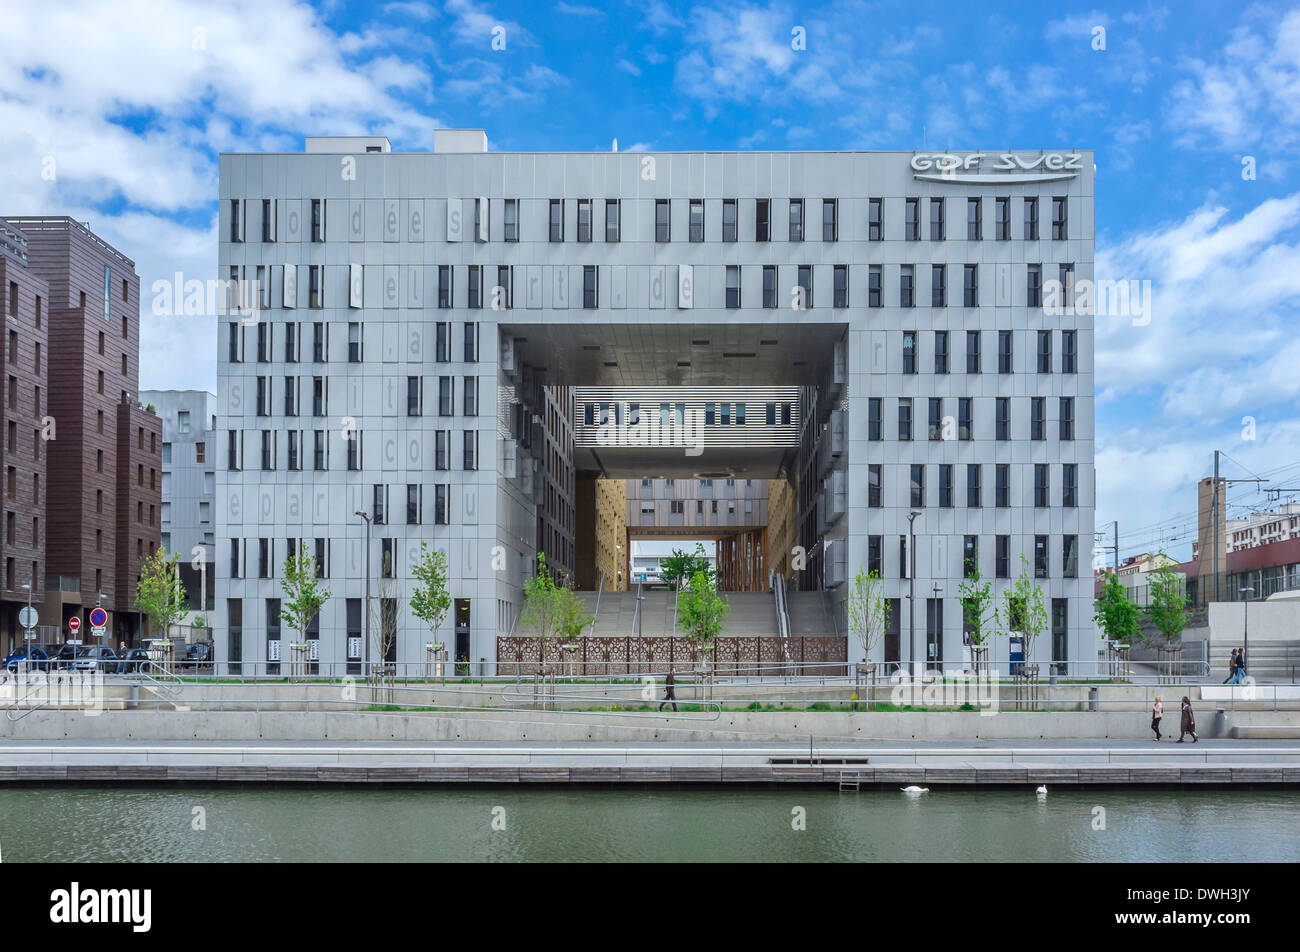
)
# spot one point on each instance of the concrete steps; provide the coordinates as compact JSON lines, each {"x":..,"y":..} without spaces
{"x":752,"y":613}
{"x":808,"y":614}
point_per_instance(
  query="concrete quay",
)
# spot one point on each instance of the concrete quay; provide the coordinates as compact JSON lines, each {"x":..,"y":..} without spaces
{"x":972,"y":764}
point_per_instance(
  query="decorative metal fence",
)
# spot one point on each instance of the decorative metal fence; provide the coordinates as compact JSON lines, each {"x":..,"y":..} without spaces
{"x":728,"y":656}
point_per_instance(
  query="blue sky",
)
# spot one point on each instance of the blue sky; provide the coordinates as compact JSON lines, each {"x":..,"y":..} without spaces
{"x":114,"y":113}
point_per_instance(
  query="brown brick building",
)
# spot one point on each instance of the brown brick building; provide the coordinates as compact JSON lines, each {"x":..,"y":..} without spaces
{"x":22,"y":450}
{"x":102,"y":496}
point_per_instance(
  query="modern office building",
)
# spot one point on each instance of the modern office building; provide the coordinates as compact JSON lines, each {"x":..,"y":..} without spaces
{"x":189,"y":486}
{"x":102,"y":497}
{"x":904,"y":300}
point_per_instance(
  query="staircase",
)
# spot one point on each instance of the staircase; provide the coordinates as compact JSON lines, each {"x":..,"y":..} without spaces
{"x":752,"y":613}
{"x":808,"y":614}
{"x":1266,"y":661}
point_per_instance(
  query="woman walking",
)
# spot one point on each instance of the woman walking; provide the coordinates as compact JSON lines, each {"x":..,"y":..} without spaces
{"x":1232,"y":667}
{"x":1188,"y":722}
{"x":1157,"y":712}
{"x":1241,"y":666}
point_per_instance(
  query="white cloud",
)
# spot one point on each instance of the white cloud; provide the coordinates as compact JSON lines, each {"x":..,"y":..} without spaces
{"x":578,"y":10}
{"x":628,"y":67}
{"x":1248,"y":94}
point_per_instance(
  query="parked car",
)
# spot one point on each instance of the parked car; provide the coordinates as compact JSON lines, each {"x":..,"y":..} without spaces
{"x":133,"y":660}
{"x":198,"y":655}
{"x":35,"y":656}
{"x":96,"y":657}
{"x":65,"y":656}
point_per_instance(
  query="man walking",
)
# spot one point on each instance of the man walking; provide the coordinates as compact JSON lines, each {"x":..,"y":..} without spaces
{"x":669,"y":695}
{"x":1232,"y":667}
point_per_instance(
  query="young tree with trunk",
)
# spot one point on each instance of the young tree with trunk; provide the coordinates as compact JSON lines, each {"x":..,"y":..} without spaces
{"x":431,"y":600}
{"x":1116,"y":614}
{"x":303,"y":591}
{"x":1168,"y":606}
{"x":160,"y":594}
{"x":701,"y":611}
{"x":867,"y":610}
{"x":1024,"y":610}
{"x":978,"y":607}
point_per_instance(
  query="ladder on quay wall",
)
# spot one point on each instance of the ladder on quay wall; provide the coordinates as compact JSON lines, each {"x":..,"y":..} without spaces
{"x":850,"y":781}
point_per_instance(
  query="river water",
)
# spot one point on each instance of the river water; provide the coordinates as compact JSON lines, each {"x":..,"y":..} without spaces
{"x":512,"y":823}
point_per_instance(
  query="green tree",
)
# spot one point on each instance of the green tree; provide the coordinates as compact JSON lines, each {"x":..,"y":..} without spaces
{"x":160,"y":594}
{"x":304,"y":594}
{"x":1168,"y":606}
{"x":1116,"y":614}
{"x":978,"y":606}
{"x":431,"y":600}
{"x":701,"y":611}
{"x":867,"y":610}
{"x":684,"y":565}
{"x":551,"y":610}
{"x":1024,"y":609}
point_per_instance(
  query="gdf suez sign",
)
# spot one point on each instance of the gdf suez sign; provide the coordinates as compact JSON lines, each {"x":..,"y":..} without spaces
{"x":986,"y":167}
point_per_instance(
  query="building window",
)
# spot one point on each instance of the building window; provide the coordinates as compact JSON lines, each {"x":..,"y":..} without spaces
{"x":584,"y":220}
{"x":733,"y":286}
{"x":1034,"y":285}
{"x":1069,"y":557}
{"x":874,"y":418}
{"x":1003,"y":418}
{"x":796,"y":219}
{"x":1041,"y":485}
{"x":941,"y":351}
{"x":840,"y":288}
{"x":1070,"y":485}
{"x":444,"y":286}
{"x":829,"y":220}
{"x":873,"y":286}
{"x":589,"y":287}
{"x":965,"y":424}
{"x":1002,"y":211}
{"x":970,"y":556}
{"x":315,"y":276}
{"x":414,"y":405}
{"x":769,"y":285}
{"x":918,"y":486}
{"x":973,"y":362}
{"x":974,"y":219}
{"x":412,"y":505}
{"x":1038,"y":418}
{"x":938,"y":285}
{"x":935,"y":427}
{"x":354,"y":451}
{"x":875,"y":560}
{"x":697,"y":219}
{"x":471,"y":449}
{"x":1002,"y":485}
{"x":1067,"y":418}
{"x":1002,"y":558}
{"x":1004,"y":352}
{"x":1031,"y":219}
{"x":663,"y":212}
{"x":873,"y":485}
{"x":1044,"y":352}
{"x":909,"y":352}
{"x":936,"y":219}
{"x":446,"y":398}
{"x":762,"y":219}
{"x":904,"y":418}
{"x":354,"y":343}
{"x":1040,"y":556}
{"x":875,"y":219}
{"x":1069,"y":352}
{"x":476,"y":286}
{"x":441,"y":438}
{"x":512,"y":219}
{"x":440,"y":504}
{"x":912,"y":221}
{"x":906,"y":290}
{"x":379,"y":495}
{"x":945,"y":486}
{"x":613,"y":220}
{"x":804,"y":280}
{"x":557,"y":219}
{"x":1059,"y":214}
{"x":469,"y":406}
{"x":729,"y":219}
{"x":973,"y":494}
{"x":970,"y":285}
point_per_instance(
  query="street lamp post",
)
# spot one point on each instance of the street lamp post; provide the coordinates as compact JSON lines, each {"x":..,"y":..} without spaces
{"x":1248,"y":591}
{"x":911,"y":592}
{"x":366,"y":517}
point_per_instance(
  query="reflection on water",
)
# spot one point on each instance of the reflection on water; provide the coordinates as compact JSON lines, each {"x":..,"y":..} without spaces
{"x":572,"y":824}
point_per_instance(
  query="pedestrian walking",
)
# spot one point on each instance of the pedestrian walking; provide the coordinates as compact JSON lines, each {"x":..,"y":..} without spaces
{"x":1157,"y":712}
{"x":1232,"y":667}
{"x":669,"y":696}
{"x":1187,"y":725}
{"x":1241,"y":666}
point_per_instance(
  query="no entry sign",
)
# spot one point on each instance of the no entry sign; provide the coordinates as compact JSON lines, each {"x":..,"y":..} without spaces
{"x":74,"y":624}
